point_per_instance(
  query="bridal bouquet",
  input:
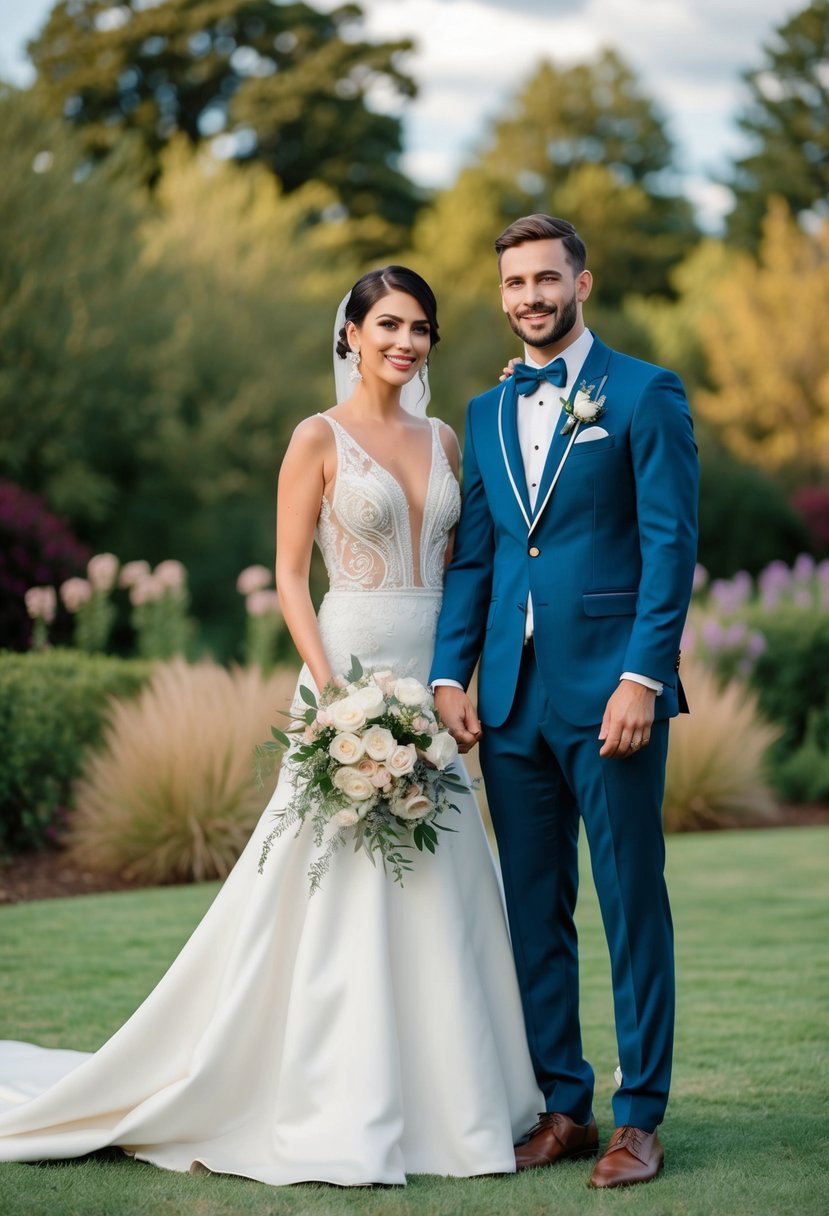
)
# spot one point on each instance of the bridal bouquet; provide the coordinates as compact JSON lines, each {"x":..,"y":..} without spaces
{"x":368,"y":763}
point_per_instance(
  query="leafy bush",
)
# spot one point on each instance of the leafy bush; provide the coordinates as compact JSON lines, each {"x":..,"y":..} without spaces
{"x":790,"y":674}
{"x":745,"y":521}
{"x":803,"y":776}
{"x":717,"y":770}
{"x":51,"y":708}
{"x":36,"y":549}
{"x":172,"y":796}
{"x":812,"y":502}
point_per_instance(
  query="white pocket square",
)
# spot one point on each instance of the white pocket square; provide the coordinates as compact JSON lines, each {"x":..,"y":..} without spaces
{"x":590,"y":433}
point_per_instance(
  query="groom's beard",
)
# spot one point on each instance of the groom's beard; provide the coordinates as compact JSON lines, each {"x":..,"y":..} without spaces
{"x":561,"y":324}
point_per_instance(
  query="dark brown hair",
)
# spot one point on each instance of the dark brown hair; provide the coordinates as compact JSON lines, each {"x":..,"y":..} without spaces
{"x":378,"y":283}
{"x":540,"y":227}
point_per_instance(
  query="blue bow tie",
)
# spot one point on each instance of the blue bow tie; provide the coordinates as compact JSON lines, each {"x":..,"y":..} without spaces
{"x":527,"y":378}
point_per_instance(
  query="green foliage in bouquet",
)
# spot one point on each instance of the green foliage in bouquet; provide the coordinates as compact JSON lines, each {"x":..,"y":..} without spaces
{"x":370,"y":759}
{"x":52,"y":707}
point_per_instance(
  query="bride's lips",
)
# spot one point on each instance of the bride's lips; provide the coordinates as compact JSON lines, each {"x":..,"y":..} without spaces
{"x":402,"y":364}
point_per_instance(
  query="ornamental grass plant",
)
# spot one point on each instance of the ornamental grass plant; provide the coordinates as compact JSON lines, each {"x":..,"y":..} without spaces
{"x":717,"y":767}
{"x":172,"y":795}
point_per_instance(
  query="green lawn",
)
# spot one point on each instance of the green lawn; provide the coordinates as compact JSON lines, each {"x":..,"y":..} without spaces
{"x":748,"y":1125}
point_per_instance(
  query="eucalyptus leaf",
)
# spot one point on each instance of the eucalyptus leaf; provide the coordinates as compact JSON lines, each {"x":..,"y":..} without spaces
{"x":307,"y":696}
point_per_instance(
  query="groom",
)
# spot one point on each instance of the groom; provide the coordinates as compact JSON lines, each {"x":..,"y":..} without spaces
{"x":570,"y":581}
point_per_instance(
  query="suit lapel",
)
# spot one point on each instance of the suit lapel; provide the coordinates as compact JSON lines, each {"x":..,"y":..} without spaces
{"x":594,"y":371}
{"x":511,"y":449}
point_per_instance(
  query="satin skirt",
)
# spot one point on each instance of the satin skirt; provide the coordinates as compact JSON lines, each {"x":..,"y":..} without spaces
{"x":355,"y":1036}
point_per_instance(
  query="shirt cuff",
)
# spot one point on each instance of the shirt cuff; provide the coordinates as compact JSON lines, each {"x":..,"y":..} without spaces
{"x":442,"y":683}
{"x":653,"y":685}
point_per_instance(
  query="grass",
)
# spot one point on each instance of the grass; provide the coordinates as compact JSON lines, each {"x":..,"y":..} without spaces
{"x":747,"y":1132}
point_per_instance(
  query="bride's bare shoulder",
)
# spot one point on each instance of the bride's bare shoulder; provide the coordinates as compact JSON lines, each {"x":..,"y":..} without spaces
{"x":312,"y":434}
{"x":451,"y":445}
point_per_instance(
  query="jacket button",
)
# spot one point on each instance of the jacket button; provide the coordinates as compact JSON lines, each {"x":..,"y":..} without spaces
{"x":534,"y":551}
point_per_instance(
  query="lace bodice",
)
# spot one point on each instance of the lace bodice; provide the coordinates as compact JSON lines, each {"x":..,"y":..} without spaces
{"x":364,"y":532}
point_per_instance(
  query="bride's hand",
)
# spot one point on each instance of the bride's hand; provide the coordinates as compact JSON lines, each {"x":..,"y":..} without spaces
{"x":507,"y":372}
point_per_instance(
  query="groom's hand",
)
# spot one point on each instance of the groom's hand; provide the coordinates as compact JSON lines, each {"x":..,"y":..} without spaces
{"x":458,"y":715}
{"x":626,"y":726}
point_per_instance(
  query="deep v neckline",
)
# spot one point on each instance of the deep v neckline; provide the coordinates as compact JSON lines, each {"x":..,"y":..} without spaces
{"x":399,"y":488}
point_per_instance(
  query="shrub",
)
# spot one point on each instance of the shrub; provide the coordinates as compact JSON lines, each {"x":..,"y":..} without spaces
{"x":812,"y":503}
{"x":171,"y":795}
{"x":36,"y":549}
{"x":716,"y":773}
{"x":51,"y":707}
{"x":803,"y":776}
{"x":790,"y":674}
{"x":745,"y":521}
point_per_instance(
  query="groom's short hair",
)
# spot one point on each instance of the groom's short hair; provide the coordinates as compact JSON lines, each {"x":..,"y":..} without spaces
{"x":544,"y":228}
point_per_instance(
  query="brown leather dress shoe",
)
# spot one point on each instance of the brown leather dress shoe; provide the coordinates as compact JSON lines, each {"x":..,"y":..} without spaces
{"x":555,"y":1138}
{"x":632,"y":1156}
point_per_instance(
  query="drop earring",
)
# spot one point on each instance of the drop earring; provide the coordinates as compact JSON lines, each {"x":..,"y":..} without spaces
{"x":354,"y":373}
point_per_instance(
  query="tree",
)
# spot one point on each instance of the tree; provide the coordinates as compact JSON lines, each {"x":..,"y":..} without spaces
{"x":155,"y":352}
{"x":289,"y":86}
{"x":767,"y":345}
{"x":583,"y":142}
{"x":787,"y":121}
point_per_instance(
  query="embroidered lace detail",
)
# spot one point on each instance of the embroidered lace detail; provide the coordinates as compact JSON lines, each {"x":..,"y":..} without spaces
{"x":364,"y":532}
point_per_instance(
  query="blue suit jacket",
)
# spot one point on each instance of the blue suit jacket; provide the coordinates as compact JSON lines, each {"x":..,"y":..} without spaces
{"x":615,"y":547}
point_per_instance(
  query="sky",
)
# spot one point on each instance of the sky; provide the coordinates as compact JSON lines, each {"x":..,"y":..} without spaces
{"x":472,"y":56}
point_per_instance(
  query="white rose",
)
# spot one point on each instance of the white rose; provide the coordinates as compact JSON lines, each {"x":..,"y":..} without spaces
{"x":585,"y":409}
{"x":385,"y":681}
{"x":346,"y":818}
{"x":346,"y":748}
{"x":442,"y":750}
{"x":401,"y":760}
{"x":347,"y":715}
{"x":367,"y":767}
{"x":370,"y":700}
{"x":379,"y":743}
{"x":411,"y":692}
{"x":415,"y":805}
{"x":353,"y":784}
{"x":381,"y":779}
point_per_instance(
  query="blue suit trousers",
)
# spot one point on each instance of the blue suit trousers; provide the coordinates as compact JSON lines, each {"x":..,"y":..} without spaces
{"x":542,"y":775}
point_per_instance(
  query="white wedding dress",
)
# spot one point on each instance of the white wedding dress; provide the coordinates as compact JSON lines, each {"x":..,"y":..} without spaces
{"x":354,"y":1036}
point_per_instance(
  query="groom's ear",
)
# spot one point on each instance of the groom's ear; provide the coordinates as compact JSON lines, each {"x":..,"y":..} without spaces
{"x":584,"y":285}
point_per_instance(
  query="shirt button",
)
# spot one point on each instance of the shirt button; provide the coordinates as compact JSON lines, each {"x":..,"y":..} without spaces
{"x":536,"y":447}
{"x":534,"y":551}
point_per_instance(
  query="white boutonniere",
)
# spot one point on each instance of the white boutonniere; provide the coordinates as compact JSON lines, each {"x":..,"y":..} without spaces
{"x":583,"y":407}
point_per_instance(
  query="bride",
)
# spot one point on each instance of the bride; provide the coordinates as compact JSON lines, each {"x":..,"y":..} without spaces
{"x":370,"y":1031}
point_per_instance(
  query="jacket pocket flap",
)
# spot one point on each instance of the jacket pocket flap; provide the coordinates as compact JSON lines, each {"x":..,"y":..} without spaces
{"x":609,"y":603}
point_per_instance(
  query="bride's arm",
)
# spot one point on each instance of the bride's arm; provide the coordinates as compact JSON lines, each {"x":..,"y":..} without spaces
{"x":302,"y":481}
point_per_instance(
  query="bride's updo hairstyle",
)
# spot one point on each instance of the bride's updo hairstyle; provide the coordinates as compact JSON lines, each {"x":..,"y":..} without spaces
{"x":378,"y":283}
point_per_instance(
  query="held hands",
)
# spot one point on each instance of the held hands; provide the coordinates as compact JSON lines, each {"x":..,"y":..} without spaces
{"x":458,"y":715}
{"x":507,"y":371}
{"x":626,"y":726}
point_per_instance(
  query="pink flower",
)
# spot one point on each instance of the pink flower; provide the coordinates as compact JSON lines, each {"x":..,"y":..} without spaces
{"x":146,"y":590}
{"x":262,"y":603}
{"x":381,"y":779}
{"x":253,"y":578}
{"x":75,"y":592}
{"x":133,"y":572}
{"x":41,"y":603}
{"x":102,"y":570}
{"x":171,"y":574}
